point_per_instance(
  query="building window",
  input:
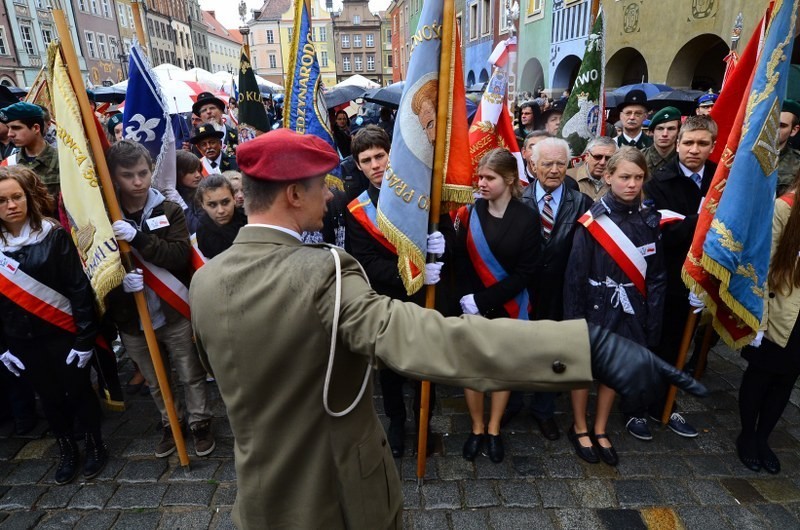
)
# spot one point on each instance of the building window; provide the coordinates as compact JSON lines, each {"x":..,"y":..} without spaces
{"x":358,"y":62}
{"x":271,"y":37}
{"x":107,"y":9}
{"x":101,"y":46}
{"x":47,"y":35}
{"x":371,"y":63}
{"x":323,"y":59}
{"x":388,"y":35}
{"x":534,"y":7}
{"x":130,"y":14}
{"x":356,"y":41}
{"x":3,"y":43}
{"x":504,"y":22}
{"x":290,"y":32}
{"x":356,"y":19}
{"x":273,"y":62}
{"x":486,"y":16}
{"x":389,"y":61}
{"x":473,"y":21}
{"x":95,"y":7}
{"x":90,"y":45}
{"x":27,"y":39}
{"x":112,"y":47}
{"x":323,"y":34}
{"x":370,"y":40}
{"x":122,"y":15}
{"x":345,"y":41}
{"x":346,"y":63}
{"x":83,"y":5}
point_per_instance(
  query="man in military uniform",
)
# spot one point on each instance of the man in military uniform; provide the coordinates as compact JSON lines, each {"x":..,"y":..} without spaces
{"x":210,"y":109}
{"x":664,"y":124}
{"x":208,"y":142}
{"x":26,"y":126}
{"x":789,"y":161}
{"x":633,"y":111}
{"x":310,"y":450}
{"x":705,"y":103}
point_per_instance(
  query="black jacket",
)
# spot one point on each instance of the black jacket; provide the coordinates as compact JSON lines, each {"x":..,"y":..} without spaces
{"x":547,"y":287}
{"x":54,"y":261}
{"x":228,"y":163}
{"x":599,"y":304}
{"x":643,"y":142}
{"x":213,"y":239}
{"x":516,"y":244}
{"x":355,"y":182}
{"x":670,"y":189}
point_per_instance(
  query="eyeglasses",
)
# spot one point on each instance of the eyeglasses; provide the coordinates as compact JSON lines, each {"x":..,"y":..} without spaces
{"x":629,"y":113}
{"x":598,"y":158}
{"x":16,"y":199}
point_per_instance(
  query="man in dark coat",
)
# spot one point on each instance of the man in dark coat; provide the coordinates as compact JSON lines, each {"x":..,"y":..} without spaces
{"x":210,"y":110}
{"x":679,"y":186}
{"x":214,"y":159}
{"x":549,"y":195}
{"x":632,"y":112}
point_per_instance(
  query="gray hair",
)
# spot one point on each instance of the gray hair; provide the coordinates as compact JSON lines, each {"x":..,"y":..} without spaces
{"x":601,"y":141}
{"x":558,"y":143}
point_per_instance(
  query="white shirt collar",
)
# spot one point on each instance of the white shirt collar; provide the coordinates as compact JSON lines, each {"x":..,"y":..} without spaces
{"x":688,"y":172}
{"x":556,"y":193}
{"x":629,"y":139}
{"x":279,"y":229}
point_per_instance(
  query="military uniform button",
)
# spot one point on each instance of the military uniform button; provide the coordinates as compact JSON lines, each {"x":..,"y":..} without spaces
{"x":772,"y":295}
{"x":596,"y":307}
{"x":559,"y":367}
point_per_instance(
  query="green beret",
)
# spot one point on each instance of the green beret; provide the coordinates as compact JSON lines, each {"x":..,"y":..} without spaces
{"x":664,"y":115}
{"x":20,"y":111}
{"x":790,"y":105}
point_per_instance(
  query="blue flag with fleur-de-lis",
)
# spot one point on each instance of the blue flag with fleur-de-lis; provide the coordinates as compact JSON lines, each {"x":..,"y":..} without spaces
{"x":146,"y":120}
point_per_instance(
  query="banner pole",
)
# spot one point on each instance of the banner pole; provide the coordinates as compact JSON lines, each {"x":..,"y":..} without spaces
{"x":137,"y":23}
{"x":115,"y":212}
{"x":688,"y":331}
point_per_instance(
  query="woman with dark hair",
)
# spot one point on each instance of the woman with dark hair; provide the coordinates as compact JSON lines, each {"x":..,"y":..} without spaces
{"x":189,"y":171}
{"x":341,"y":133}
{"x":497,"y":246}
{"x":221,"y":219}
{"x":774,"y":355}
{"x":48,"y":344}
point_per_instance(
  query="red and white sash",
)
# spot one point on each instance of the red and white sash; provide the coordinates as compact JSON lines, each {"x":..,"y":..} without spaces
{"x":10,"y":161}
{"x":619,"y":247}
{"x":165,"y":284}
{"x":207,"y":169}
{"x":197,"y":257}
{"x":788,"y":198}
{"x":669,"y":217}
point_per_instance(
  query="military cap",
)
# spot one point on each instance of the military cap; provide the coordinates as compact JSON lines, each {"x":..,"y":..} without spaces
{"x":790,"y":105}
{"x":284,"y":155}
{"x":204,"y":98}
{"x":664,"y":115}
{"x":634,"y":97}
{"x":20,"y":111}
{"x":707,"y":100}
{"x":206,"y":130}
{"x":646,"y":124}
{"x":113,"y":121}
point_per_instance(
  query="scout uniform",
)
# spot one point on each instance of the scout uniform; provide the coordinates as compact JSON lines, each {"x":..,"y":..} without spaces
{"x":634,"y":97}
{"x":654,"y":159}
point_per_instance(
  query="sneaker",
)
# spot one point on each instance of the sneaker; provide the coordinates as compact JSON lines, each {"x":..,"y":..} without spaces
{"x":166,"y":446}
{"x":204,"y":442}
{"x":680,"y":427}
{"x":637,"y":427}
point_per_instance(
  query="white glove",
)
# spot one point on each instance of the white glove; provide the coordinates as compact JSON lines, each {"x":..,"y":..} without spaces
{"x":468,"y":306}
{"x":433,"y":272}
{"x":13,"y":364}
{"x":756,"y":342}
{"x":83,"y":357}
{"x":123,"y":230}
{"x":696,"y":302}
{"x":133,"y":282}
{"x":436,"y":243}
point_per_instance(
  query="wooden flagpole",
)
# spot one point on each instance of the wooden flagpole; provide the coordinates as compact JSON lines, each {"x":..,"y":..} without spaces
{"x":115,"y":212}
{"x":442,"y":112}
{"x":688,"y":331}
{"x":137,"y":23}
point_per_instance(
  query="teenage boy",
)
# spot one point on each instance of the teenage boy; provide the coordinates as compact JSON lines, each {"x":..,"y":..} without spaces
{"x":156,"y":230}
{"x":26,"y":126}
{"x":664,"y":124}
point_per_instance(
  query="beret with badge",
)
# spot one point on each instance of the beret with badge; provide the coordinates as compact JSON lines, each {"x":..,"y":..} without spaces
{"x":204,"y":131}
{"x":664,"y":115}
{"x":113,"y":121}
{"x":283,"y":155}
{"x":790,"y":105}
{"x":20,"y":111}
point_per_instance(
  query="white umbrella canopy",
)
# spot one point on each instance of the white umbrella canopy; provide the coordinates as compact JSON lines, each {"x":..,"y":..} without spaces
{"x":359,"y":81}
{"x":170,"y":71}
{"x":201,"y":76}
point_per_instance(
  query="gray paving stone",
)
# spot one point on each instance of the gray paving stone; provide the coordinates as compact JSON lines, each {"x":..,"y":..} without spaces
{"x":470,"y":519}
{"x":504,"y":518}
{"x":113,"y":467}
{"x":225,"y":495}
{"x":528,"y":466}
{"x":743,"y":518}
{"x":432,"y":520}
{"x":408,"y":470}
{"x":141,"y":447}
{"x":710,"y":492}
{"x":23,"y":520}
{"x":92,"y":496}
{"x":455,"y":468}
{"x":199,"y":470}
{"x":136,"y":520}
{"x":57,"y":497}
{"x":592,"y":493}
{"x":441,"y":495}
{"x":555,"y":494}
{"x":9,"y":447}
{"x":621,"y":519}
{"x":519,"y":494}
{"x":707,"y":466}
{"x":226,"y":472}
{"x":633,"y":493}
{"x":777,"y":515}
{"x":412,"y":498}
{"x":698,"y":517}
{"x":185,"y":520}
{"x":21,"y":497}
{"x":486,"y":469}
{"x":578,"y":519}
{"x":566,"y":466}
{"x":190,"y":494}
{"x":99,"y":520}
{"x":675,"y":492}
{"x":132,"y":496}
{"x":58,"y":520}
{"x":222,"y":521}
{"x":480,"y":494}
{"x":28,"y":472}
{"x":149,"y":470}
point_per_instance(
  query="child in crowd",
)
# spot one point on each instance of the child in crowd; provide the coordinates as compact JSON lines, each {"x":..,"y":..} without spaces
{"x":189,"y":174}
{"x":235,"y":178}
{"x":221,"y":219}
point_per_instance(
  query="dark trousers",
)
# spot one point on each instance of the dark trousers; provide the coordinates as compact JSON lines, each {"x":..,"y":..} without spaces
{"x":676,"y":313}
{"x":543,"y":404}
{"x":64,"y":390}
{"x":16,"y":397}
{"x":763,"y":396}
{"x":393,"y":403}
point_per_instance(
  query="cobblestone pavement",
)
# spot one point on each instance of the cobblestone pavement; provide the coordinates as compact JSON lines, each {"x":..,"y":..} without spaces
{"x":667,"y":483}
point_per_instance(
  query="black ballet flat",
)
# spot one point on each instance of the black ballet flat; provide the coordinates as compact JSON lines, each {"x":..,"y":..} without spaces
{"x":473,"y":446}
{"x":768,"y":459}
{"x":586,"y":453}
{"x":748,"y":454}
{"x":607,"y":454}
{"x":494,"y":447}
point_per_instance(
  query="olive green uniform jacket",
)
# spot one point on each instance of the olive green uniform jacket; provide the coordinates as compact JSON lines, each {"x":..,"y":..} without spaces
{"x":788,"y":167}
{"x":45,"y":165}
{"x":263,"y":311}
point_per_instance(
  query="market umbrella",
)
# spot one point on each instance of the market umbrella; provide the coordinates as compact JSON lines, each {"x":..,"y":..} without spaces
{"x":683,"y":100}
{"x":617,"y":96}
{"x":388,"y":96}
{"x":108,"y":94}
{"x":342,"y":94}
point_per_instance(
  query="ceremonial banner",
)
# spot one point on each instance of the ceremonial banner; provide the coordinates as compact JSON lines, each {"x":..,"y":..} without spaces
{"x":735,"y":223}
{"x":252,"y":118}
{"x":583,"y":116}
{"x":80,"y":191}
{"x":146,"y":120}
{"x":492,"y":126}
{"x":404,"y":200}
{"x":39,"y":92}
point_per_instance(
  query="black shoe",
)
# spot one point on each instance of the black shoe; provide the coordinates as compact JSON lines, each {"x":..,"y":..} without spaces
{"x":494,"y":448}
{"x":769,"y":460}
{"x":24,"y":426}
{"x":68,"y":462}
{"x":397,"y":437}
{"x":509,"y":415}
{"x":472,"y":446}
{"x":96,"y":456}
{"x":549,"y":428}
{"x":607,"y":454}
{"x":586,"y":453}
{"x":748,"y":453}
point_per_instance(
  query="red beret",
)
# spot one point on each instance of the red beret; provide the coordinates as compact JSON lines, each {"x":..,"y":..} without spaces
{"x":284,"y":155}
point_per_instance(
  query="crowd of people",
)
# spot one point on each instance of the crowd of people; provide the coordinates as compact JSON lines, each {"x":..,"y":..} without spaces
{"x":543,"y":246}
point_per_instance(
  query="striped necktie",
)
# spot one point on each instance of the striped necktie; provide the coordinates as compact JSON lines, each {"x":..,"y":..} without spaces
{"x":547,"y":216}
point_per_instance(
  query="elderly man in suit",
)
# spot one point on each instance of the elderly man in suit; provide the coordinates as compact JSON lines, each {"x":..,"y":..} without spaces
{"x":292,"y":333}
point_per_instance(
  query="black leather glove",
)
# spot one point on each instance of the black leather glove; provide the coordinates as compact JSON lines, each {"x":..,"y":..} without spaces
{"x":638,"y":376}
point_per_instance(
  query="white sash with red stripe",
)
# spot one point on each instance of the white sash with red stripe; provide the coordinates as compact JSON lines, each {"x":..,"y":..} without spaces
{"x":198,"y":259}
{"x":207,"y":169}
{"x":669,"y":217}
{"x":10,"y":161}
{"x":619,"y":247}
{"x":165,"y":285}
